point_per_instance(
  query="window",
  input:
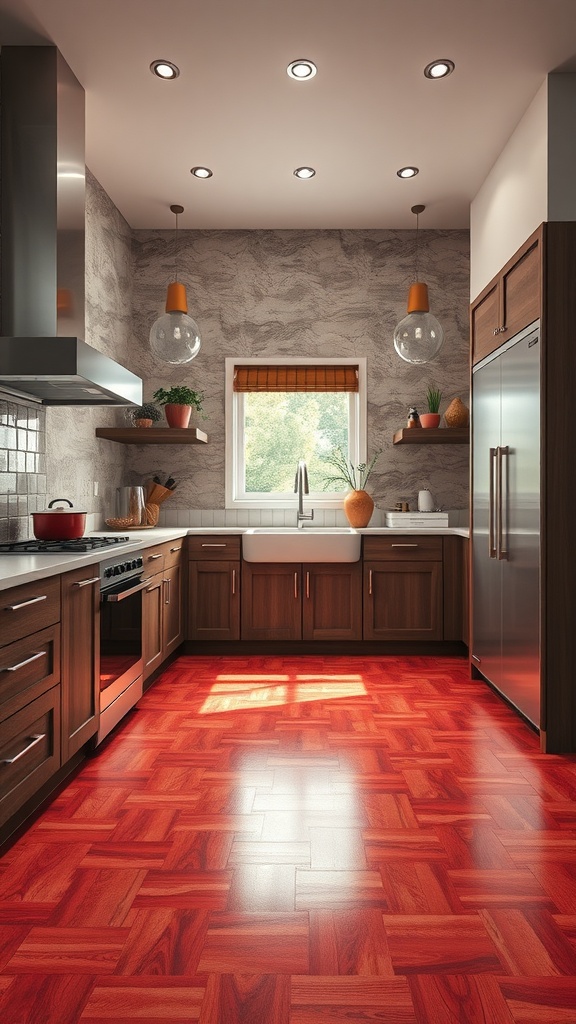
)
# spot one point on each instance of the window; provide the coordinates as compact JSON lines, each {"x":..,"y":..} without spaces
{"x":280,"y":411}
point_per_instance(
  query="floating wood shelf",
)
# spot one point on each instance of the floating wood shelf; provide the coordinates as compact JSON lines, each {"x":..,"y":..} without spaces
{"x":153,"y":435}
{"x":432,"y":435}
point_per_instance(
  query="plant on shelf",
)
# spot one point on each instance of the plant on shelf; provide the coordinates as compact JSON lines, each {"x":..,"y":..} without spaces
{"x":145,"y":415}
{"x":178,"y":403}
{"x":432,"y":417}
{"x":358,"y":504}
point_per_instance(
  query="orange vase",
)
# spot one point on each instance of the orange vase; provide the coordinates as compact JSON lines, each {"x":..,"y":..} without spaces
{"x":358,"y":508}
{"x":456,"y":414}
{"x":177,"y":415}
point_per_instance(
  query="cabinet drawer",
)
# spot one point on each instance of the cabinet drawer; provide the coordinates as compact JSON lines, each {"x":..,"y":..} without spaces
{"x":214,"y":548}
{"x":404,"y":546}
{"x":33,"y":662}
{"x":173,"y":552}
{"x":29,"y":751}
{"x":154,"y":559}
{"x":28,"y":608}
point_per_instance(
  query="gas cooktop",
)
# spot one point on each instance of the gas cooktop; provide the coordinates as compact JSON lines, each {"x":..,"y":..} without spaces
{"x":55,"y":547}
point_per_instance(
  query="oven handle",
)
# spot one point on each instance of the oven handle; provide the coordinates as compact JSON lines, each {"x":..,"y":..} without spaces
{"x":121,"y":595}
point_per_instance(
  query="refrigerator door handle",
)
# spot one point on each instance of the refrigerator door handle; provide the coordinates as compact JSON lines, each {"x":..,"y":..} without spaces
{"x":491,"y":504}
{"x":502,"y":540}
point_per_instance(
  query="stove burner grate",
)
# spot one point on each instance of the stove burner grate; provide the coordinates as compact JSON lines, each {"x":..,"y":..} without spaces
{"x":54,"y":547}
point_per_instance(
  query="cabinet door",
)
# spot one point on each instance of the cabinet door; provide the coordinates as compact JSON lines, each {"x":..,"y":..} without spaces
{"x":214,"y":600}
{"x":271,"y":601}
{"x":521,"y":289}
{"x":485,"y":320}
{"x":80,"y":658}
{"x":403,"y":600}
{"x":332,"y":601}
{"x":172,"y":618}
{"x":152,"y":638}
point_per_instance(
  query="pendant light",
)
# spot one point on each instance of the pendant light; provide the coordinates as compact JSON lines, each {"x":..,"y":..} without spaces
{"x":174,"y":336}
{"x":419,"y":336}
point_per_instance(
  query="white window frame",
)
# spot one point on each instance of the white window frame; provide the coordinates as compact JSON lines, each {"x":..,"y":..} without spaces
{"x":234,"y":467}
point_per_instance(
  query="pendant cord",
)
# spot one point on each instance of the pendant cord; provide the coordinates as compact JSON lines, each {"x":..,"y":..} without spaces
{"x":176,"y":209}
{"x":416,"y":267}
{"x":417,"y":210}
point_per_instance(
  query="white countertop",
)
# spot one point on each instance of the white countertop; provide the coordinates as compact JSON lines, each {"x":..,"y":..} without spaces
{"x":18,"y":569}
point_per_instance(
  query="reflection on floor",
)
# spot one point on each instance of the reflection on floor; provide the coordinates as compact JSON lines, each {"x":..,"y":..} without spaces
{"x":301,"y":841}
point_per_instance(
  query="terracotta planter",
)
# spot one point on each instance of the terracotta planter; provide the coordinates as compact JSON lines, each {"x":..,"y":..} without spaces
{"x":430,"y":419}
{"x":177,"y":415}
{"x":358,"y":508}
{"x":142,"y":423}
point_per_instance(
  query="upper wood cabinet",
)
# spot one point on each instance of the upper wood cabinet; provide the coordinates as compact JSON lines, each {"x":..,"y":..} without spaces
{"x":511,"y":301}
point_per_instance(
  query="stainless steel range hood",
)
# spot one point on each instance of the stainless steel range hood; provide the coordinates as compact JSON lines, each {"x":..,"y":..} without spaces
{"x":42,"y":349}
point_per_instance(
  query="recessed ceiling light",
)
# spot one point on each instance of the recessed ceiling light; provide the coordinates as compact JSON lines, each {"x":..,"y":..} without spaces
{"x":302,"y":69}
{"x":201,"y":172}
{"x":407,"y":172}
{"x":304,"y":172}
{"x":164,"y":69}
{"x":439,"y":69}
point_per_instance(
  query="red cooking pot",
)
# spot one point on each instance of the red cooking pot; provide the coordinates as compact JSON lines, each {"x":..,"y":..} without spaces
{"x":58,"y":523}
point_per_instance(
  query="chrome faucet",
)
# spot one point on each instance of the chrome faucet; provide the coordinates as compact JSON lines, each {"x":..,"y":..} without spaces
{"x":301,"y":488}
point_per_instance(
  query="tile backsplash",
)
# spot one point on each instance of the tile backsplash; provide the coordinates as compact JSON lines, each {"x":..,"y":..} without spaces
{"x":22,"y":467}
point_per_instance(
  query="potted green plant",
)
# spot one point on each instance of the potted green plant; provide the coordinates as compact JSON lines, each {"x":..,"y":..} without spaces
{"x":432,"y":417}
{"x":358,"y":504}
{"x":145,"y":415}
{"x":178,"y":403}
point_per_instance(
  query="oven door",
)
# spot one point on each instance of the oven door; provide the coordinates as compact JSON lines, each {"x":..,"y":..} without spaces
{"x":120,"y":651}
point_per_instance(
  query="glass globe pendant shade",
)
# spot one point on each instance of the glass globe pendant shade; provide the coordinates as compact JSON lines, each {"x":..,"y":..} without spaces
{"x":174,"y":336}
{"x":419,"y":336}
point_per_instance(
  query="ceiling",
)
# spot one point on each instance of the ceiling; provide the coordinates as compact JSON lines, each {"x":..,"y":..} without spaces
{"x":368,"y":111}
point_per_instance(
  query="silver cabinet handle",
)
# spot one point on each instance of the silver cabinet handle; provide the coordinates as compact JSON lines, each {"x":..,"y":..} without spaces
{"x":24,"y":604}
{"x":86,"y":583}
{"x":295,"y":584}
{"x":213,"y":545}
{"x":491,"y":506}
{"x":476,"y":659}
{"x":370,"y":581}
{"x":172,"y":550}
{"x":152,"y":558}
{"x":307,"y":584}
{"x":233,"y":581}
{"x":166,"y":583}
{"x":503,"y":488}
{"x":404,"y":545}
{"x":21,"y":664}
{"x":34,"y":739}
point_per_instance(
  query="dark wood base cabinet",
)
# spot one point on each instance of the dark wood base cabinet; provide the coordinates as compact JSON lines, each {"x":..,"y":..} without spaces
{"x":294,"y":601}
{"x":162,"y":606}
{"x":213,"y":588}
{"x":30,"y":693}
{"x":80,"y":658}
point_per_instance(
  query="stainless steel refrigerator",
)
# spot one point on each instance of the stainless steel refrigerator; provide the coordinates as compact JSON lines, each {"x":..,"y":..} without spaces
{"x":506,"y":520}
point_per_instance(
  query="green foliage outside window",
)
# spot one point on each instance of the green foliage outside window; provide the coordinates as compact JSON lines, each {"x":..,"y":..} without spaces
{"x":281,"y":428}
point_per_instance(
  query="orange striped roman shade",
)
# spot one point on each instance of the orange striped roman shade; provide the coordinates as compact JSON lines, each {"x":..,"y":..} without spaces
{"x":296,"y":378}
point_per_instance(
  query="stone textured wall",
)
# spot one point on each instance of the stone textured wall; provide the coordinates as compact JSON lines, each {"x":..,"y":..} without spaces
{"x":308,"y":293}
{"x":253,"y":293}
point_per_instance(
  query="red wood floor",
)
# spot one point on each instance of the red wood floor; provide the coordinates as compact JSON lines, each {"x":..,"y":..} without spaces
{"x":301,"y":841}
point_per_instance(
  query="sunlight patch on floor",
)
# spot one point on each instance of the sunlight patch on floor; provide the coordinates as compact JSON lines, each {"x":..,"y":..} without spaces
{"x":248,"y":691}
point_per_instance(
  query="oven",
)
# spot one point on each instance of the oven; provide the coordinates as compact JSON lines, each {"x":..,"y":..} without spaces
{"x":121,"y":663}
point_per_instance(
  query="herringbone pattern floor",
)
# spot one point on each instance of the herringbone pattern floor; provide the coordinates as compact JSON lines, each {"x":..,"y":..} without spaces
{"x":301,"y":841}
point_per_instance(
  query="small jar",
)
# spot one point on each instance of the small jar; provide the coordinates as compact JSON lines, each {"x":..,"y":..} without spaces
{"x":413,"y":417}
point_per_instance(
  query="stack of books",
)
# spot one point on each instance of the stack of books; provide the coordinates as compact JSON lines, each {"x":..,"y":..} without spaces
{"x":423,"y":520}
